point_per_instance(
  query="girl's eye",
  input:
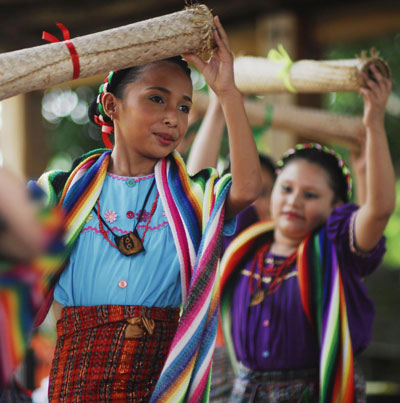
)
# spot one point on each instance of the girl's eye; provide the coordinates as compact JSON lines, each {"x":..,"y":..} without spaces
{"x":311,"y":195}
{"x":184,"y":108}
{"x":286,"y":188}
{"x":157,"y":99}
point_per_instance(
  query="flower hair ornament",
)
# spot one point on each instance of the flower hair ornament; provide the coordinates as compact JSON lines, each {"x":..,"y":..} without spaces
{"x":324,"y":149}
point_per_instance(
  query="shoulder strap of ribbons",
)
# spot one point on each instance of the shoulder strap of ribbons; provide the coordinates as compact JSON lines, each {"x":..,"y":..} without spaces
{"x":323,"y":300}
{"x":195,"y":208}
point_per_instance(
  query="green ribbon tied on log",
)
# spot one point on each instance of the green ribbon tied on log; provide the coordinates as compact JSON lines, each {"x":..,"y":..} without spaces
{"x":281,"y":56}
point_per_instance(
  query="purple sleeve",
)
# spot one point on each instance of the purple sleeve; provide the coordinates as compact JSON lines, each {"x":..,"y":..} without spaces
{"x":244,"y":219}
{"x":354,"y":266}
{"x":340,"y":230}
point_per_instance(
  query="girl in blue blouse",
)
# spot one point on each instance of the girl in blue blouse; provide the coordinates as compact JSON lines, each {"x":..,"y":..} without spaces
{"x":143,"y":237}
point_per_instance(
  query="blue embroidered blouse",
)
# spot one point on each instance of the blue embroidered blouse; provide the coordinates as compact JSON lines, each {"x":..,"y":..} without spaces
{"x":98,"y":274}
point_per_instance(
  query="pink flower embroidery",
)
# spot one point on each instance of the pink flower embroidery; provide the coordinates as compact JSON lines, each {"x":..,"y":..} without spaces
{"x":130,"y":214}
{"x":110,"y":216}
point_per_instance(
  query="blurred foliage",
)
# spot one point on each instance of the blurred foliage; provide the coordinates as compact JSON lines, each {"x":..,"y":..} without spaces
{"x":392,"y":256}
{"x":352,"y":103}
{"x":69,"y":136}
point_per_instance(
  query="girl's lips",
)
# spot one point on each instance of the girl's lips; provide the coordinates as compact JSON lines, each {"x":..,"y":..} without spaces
{"x":290,"y":214}
{"x":165,"y":138}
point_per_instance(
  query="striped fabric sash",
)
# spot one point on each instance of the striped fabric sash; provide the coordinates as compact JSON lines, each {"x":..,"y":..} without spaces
{"x":323,"y":300}
{"x":22,"y":289}
{"x":194,"y":207}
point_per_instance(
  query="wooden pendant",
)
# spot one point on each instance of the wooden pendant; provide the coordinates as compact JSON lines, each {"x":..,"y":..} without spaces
{"x":257,"y":297}
{"x":129,"y":244}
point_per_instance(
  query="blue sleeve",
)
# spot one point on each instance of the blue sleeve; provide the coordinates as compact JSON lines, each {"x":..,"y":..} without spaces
{"x":230,"y":227}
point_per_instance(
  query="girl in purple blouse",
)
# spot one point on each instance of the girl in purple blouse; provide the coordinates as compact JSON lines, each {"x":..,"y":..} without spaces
{"x":295,"y":310}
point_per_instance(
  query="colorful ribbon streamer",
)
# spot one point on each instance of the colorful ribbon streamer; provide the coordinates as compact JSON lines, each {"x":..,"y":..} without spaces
{"x":281,"y":56}
{"x":71,"y":47}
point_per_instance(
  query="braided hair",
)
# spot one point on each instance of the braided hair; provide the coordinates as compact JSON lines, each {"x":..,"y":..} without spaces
{"x":115,"y":83}
{"x":329,"y":160}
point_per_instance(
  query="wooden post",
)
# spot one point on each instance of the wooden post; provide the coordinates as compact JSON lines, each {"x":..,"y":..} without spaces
{"x":12,"y":143}
{"x":271,"y":31}
{"x":22,"y":135}
{"x":36,"y":150}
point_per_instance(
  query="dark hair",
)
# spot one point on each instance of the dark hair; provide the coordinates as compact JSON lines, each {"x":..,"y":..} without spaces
{"x":118,"y":80}
{"x":268,"y":164}
{"x":265,"y":162}
{"x":339,"y":176}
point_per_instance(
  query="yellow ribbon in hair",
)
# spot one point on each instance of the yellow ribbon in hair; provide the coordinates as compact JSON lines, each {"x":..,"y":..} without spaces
{"x":281,"y":56}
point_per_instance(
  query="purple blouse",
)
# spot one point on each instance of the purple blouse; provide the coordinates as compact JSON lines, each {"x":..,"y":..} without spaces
{"x":276,"y":335}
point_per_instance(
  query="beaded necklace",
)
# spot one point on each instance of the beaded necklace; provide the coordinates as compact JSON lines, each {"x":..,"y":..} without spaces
{"x":130,"y":243}
{"x":277,"y":274}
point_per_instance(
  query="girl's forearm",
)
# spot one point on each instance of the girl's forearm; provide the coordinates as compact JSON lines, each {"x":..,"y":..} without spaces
{"x":206,"y":145}
{"x":380,"y":192}
{"x":374,"y":215}
{"x":245,"y":165}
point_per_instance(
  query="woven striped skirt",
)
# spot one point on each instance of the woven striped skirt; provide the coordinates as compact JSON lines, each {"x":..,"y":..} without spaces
{"x":285,"y":386}
{"x":276,"y":386}
{"x":110,"y":353}
{"x":222,"y":376}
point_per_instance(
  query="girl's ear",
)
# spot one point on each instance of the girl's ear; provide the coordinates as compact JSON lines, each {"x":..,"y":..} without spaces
{"x":110,"y":104}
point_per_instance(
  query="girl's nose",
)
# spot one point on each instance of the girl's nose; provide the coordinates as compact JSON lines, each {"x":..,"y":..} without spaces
{"x":170,"y":118}
{"x":294,"y":198}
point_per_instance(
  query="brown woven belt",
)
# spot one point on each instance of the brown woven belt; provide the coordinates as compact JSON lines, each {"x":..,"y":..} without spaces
{"x":137,"y":327}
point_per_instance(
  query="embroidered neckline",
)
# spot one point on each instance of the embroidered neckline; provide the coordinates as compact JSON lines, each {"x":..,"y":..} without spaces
{"x":130,"y":178}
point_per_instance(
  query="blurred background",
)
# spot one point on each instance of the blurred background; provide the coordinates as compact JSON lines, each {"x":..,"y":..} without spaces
{"x":47,"y":129}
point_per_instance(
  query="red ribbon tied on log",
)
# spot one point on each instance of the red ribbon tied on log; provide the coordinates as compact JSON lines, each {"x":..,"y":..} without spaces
{"x":71,"y":47}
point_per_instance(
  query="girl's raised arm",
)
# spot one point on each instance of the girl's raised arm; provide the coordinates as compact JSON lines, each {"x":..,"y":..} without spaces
{"x":245,"y":165}
{"x":374,"y":214}
{"x":204,"y":152}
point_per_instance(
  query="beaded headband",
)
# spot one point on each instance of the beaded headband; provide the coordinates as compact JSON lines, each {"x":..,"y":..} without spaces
{"x":341,"y":164}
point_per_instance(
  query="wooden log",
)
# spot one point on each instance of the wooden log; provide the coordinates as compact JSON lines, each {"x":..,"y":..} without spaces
{"x":259,"y":75}
{"x":311,"y":123}
{"x":43,"y":66}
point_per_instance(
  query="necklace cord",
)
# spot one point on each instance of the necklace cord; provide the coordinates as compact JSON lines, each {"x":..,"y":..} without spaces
{"x":276,"y":273}
{"x":102,"y":221}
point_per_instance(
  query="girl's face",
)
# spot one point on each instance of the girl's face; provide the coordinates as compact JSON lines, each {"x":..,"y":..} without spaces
{"x":152,"y":117}
{"x":301,"y":200}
